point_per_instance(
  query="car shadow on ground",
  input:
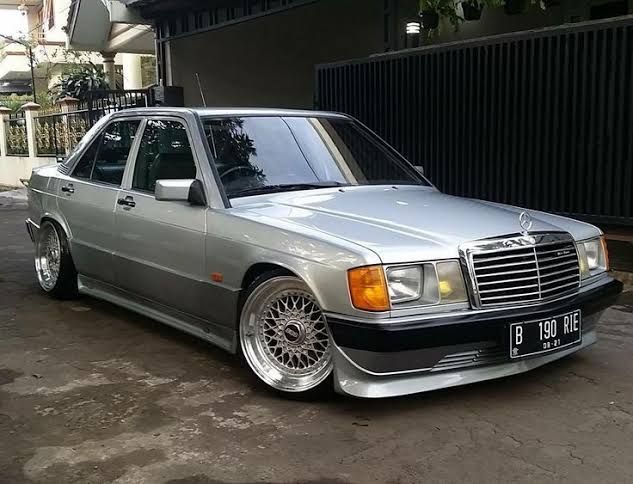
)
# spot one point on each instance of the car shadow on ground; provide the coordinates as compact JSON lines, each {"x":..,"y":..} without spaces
{"x":502,"y":388}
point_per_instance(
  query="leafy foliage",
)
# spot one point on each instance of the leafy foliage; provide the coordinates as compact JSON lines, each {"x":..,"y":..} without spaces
{"x":445,"y":9}
{"x":77,"y":82}
{"x":15,"y":101}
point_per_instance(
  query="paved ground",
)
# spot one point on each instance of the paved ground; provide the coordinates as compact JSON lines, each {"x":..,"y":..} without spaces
{"x":93,"y":393}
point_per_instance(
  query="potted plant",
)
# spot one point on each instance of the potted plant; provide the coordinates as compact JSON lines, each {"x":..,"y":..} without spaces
{"x":472,"y":9}
{"x":432,"y":10}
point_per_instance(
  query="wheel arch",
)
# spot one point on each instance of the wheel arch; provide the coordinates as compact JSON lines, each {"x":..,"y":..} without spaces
{"x":258,"y":269}
{"x":59,"y":220}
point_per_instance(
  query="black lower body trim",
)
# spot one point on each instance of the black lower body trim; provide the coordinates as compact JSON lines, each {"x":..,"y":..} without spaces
{"x":464,"y":328}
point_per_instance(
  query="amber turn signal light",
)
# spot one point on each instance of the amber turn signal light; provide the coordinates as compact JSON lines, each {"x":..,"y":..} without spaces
{"x":368,"y":288}
{"x":603,"y":241}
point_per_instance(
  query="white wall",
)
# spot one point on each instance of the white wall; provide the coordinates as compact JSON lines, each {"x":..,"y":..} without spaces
{"x":12,"y":168}
{"x":270,"y":61}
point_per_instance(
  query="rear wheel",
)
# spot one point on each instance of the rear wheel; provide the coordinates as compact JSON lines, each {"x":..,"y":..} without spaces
{"x":283,"y":334}
{"x":54,"y":266}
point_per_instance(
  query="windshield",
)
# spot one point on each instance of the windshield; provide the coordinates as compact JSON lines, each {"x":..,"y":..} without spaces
{"x":264,"y":154}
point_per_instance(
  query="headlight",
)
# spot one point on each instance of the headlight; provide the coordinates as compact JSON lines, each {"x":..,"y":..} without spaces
{"x":593,"y":257}
{"x":404,"y":283}
{"x":426,"y":284}
{"x":450,"y":282}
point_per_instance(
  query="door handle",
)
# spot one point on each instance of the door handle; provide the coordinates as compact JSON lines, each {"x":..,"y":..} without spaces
{"x":68,"y":188}
{"x":127,"y":202}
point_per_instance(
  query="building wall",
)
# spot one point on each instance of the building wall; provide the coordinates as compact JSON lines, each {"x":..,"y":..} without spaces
{"x":493,"y":21}
{"x":270,"y":61}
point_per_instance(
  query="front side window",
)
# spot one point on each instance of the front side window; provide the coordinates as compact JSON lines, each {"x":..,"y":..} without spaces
{"x":105,"y":159}
{"x":164,"y":154}
{"x":266,"y":154}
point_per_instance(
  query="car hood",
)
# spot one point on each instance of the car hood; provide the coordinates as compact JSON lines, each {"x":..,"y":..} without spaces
{"x":403,"y":223}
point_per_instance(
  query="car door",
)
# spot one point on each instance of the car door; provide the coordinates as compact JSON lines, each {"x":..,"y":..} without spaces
{"x":87,"y":198}
{"x":160,"y":246}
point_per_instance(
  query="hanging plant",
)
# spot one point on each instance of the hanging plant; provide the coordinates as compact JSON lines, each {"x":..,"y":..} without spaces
{"x":472,"y":9}
{"x":432,"y":11}
{"x":516,"y":7}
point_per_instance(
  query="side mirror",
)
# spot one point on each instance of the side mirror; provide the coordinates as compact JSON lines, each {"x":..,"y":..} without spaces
{"x":191,"y":191}
{"x":419,"y":169}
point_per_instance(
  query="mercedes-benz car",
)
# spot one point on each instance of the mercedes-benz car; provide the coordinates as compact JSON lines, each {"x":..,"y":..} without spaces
{"x":305,"y":243}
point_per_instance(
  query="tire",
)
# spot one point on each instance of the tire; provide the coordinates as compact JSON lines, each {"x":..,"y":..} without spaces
{"x":54,"y":265}
{"x":284,"y":337}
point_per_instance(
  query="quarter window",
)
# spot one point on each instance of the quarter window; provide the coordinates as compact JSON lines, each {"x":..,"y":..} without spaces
{"x":164,"y":154}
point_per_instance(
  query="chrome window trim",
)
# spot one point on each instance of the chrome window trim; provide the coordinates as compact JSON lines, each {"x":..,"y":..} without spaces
{"x":509,"y":243}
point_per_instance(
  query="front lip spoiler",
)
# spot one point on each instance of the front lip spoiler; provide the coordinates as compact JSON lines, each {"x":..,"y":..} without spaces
{"x":350,"y":380}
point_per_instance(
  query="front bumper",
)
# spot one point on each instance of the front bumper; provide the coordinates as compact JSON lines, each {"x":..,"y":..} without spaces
{"x":410,"y":355}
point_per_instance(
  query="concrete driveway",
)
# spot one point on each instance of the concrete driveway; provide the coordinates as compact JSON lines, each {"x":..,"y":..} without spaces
{"x":93,"y":393}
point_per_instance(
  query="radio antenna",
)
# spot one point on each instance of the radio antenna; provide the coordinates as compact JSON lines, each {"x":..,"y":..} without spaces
{"x":204,"y":102}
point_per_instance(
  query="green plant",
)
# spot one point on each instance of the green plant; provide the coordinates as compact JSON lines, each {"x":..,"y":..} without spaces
{"x":444,"y":9}
{"x":15,"y":101}
{"x":79,"y":80}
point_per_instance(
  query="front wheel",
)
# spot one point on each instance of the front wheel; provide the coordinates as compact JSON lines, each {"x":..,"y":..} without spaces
{"x":283,"y":334}
{"x":54,"y":266}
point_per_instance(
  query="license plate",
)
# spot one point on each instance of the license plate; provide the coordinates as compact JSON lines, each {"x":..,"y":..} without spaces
{"x":545,"y":335}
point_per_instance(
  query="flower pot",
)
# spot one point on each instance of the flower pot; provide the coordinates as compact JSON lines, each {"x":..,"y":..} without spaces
{"x":515,"y":7}
{"x":471,"y":11}
{"x":430,"y":19}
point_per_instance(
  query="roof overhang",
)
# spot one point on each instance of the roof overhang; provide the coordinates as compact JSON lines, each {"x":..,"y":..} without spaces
{"x":95,"y":25}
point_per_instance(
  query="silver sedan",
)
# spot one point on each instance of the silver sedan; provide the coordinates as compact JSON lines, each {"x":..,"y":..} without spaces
{"x":307,"y":244}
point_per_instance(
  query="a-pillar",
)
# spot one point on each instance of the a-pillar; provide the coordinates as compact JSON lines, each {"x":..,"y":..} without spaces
{"x":108,"y":69}
{"x":30,"y":111}
{"x":4,"y":116}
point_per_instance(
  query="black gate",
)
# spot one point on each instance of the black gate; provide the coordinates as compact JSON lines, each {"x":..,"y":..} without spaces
{"x":541,"y":119}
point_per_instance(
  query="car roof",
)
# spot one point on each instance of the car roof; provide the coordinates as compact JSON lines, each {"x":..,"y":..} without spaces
{"x":228,"y":111}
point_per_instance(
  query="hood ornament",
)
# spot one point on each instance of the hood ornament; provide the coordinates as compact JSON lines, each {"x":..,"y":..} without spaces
{"x":526,"y":222}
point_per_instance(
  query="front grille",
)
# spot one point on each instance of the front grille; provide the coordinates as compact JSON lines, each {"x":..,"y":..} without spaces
{"x":544,"y":269}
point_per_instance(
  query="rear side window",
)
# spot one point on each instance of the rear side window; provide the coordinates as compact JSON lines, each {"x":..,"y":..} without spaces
{"x":164,"y":154}
{"x":114,"y":149}
{"x":104,"y":160}
{"x":84,"y":165}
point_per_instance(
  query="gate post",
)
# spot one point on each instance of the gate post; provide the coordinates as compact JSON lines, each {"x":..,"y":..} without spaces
{"x":30,"y":110}
{"x":4,"y":115}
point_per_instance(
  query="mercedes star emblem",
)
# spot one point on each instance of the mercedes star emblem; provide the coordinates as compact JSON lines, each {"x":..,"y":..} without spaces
{"x":526,"y":222}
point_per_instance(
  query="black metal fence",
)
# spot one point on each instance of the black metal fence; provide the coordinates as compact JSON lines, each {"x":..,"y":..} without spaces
{"x":99,"y":103}
{"x":57,"y":133}
{"x":542,"y":119}
{"x":16,"y":139}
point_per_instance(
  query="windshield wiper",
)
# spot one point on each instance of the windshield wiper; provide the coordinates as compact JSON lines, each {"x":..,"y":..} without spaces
{"x":285,"y":187}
